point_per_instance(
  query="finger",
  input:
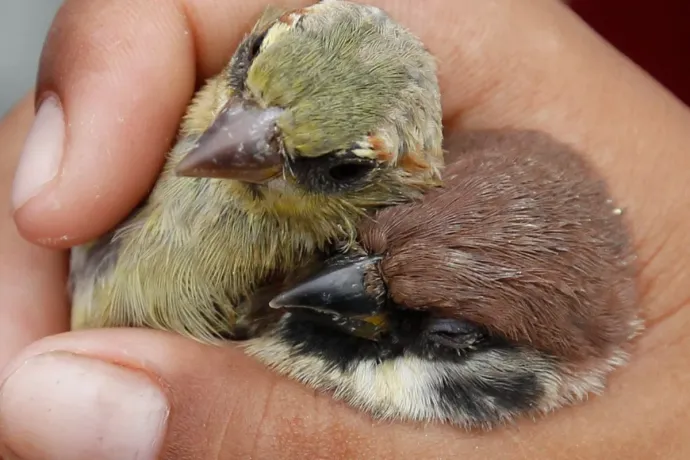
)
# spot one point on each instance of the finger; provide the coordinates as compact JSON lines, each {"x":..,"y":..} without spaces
{"x":121,"y":393}
{"x":32,"y":289}
{"x":115,"y":77}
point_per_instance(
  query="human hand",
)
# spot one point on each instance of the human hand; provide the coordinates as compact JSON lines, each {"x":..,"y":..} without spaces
{"x":510,"y":63}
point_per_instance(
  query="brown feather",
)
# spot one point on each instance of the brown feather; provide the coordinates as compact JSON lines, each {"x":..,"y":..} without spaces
{"x":524,"y":239}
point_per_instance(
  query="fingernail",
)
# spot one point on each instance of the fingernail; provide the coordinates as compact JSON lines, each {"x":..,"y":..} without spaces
{"x":61,"y":405}
{"x":42,"y":154}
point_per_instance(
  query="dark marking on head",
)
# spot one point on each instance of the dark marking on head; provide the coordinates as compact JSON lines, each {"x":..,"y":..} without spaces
{"x":333,"y":172}
{"x":409,"y":332}
{"x":489,"y":399}
{"x":242,"y":60}
{"x":304,"y":331}
{"x":476,"y":387}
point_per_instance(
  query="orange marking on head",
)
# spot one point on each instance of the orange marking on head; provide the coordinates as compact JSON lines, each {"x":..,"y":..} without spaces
{"x":377,"y":144}
{"x":379,"y":147}
{"x":410,"y":162}
{"x":384,"y":156}
{"x":289,"y":17}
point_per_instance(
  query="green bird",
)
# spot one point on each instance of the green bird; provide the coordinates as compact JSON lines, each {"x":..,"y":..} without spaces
{"x":322,"y":115}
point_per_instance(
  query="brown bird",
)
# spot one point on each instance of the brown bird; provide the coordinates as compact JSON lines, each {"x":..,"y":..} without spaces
{"x":509,"y":292}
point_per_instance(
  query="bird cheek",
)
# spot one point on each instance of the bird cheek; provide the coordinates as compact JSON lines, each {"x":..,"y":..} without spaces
{"x":267,"y":87}
{"x":257,"y":80}
{"x":288,"y":204}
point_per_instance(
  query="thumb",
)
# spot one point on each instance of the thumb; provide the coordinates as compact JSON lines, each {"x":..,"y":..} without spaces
{"x":133,"y":393}
{"x":129,"y":393}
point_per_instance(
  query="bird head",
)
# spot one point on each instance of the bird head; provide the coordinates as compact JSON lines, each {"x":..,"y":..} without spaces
{"x":322,"y":111}
{"x":509,"y":291}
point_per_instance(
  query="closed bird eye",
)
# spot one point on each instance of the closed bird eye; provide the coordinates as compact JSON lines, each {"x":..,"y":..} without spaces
{"x":350,"y":171}
{"x":332,"y":173}
{"x":255,"y":46}
{"x":454,"y":333}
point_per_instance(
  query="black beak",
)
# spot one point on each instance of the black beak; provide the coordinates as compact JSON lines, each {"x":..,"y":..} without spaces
{"x":241,"y":144}
{"x":342,"y":293}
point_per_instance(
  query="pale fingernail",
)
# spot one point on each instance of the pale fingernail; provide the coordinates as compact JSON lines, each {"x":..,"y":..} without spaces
{"x":64,"y":406}
{"x":42,"y":154}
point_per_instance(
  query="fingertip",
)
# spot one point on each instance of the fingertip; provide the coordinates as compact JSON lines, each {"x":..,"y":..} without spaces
{"x":88,"y":408}
{"x":222,"y":403}
{"x":113,"y":82}
{"x":32,"y":279}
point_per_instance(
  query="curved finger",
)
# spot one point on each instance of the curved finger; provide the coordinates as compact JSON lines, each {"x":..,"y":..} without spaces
{"x":122,"y":394}
{"x":32,"y":290}
{"x":114,"y":79}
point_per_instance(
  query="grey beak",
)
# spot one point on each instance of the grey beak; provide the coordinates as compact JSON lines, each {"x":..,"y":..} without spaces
{"x":241,"y":144}
{"x":339,"y":288}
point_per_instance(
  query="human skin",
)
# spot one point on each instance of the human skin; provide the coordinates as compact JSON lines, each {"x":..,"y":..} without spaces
{"x":124,"y":72}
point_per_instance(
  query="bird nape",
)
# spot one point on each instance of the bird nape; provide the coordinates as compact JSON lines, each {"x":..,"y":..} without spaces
{"x":510,"y":292}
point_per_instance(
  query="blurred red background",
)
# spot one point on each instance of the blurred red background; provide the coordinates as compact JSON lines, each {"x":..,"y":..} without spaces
{"x":654,"y":34}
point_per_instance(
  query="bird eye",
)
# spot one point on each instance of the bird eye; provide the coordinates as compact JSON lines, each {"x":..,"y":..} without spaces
{"x":454,"y":333}
{"x":332,"y":172}
{"x":256,"y":46}
{"x":350,"y":171}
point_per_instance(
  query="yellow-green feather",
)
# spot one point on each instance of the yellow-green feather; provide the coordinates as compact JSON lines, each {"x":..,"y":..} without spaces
{"x":186,"y":257}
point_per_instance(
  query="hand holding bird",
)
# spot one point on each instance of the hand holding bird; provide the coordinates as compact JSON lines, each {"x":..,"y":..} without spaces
{"x":118,"y":127}
{"x":519,"y":264}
